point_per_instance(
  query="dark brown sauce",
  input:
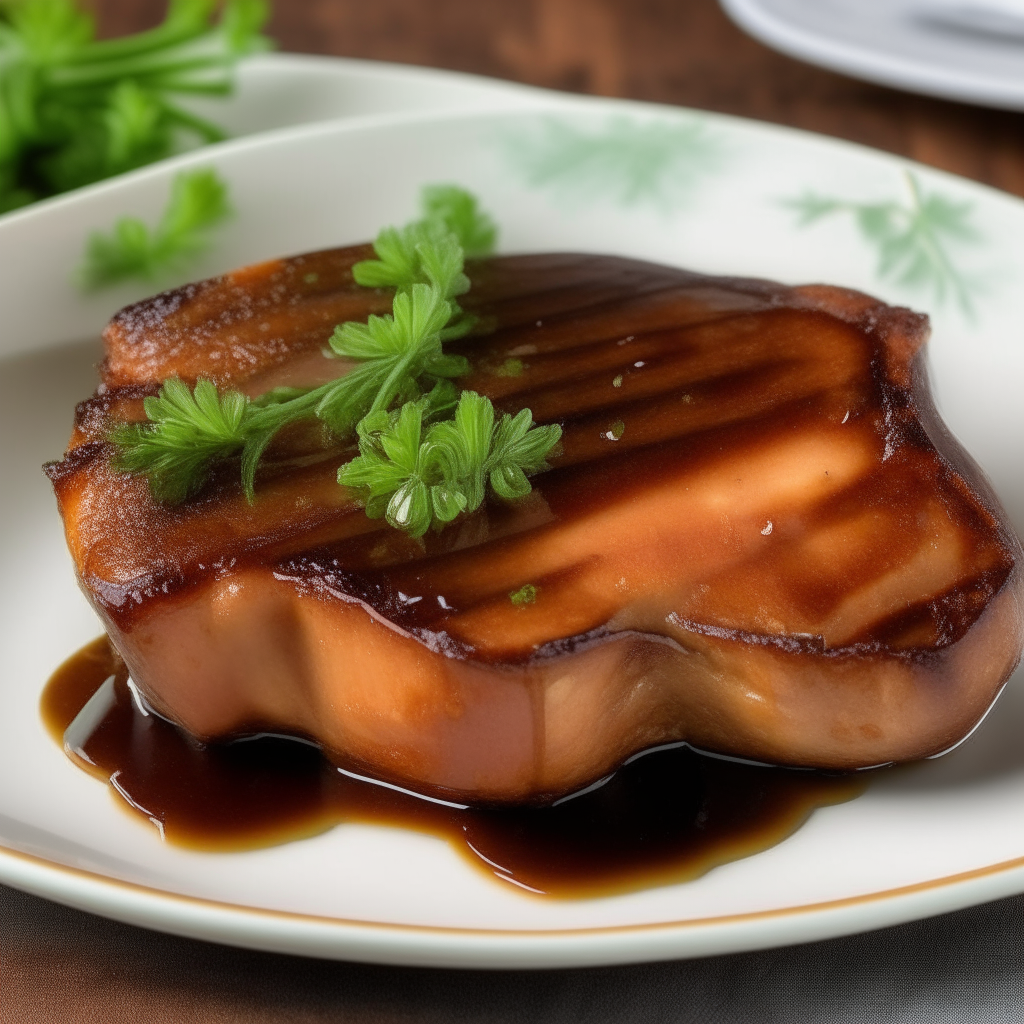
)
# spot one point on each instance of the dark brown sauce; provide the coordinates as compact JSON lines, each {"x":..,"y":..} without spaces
{"x":668,"y":816}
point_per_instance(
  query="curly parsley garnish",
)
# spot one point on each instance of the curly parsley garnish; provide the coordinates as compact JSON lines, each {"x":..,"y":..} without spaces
{"x":447,"y":210}
{"x":427,"y":453}
{"x":74,"y":109}
{"x":417,"y":479}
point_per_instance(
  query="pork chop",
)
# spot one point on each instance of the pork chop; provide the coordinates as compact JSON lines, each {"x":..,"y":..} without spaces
{"x":758,"y":537}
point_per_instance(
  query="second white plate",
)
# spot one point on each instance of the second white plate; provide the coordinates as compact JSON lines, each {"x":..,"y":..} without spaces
{"x":951,"y":50}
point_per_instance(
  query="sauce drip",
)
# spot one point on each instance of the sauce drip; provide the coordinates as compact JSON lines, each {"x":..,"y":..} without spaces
{"x":667,"y":816}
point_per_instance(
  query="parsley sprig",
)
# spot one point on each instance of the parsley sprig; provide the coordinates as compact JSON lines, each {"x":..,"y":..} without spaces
{"x":447,"y":210}
{"x":188,"y":432}
{"x":427,"y":454}
{"x":198,"y":202}
{"x":418,"y":479}
{"x":399,"y":350}
{"x":74,"y":109}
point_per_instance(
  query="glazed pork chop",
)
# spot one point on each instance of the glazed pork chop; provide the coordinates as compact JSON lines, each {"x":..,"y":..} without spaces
{"x":757,"y":537}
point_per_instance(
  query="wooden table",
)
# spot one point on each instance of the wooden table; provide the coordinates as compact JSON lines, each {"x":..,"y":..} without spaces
{"x":669,"y":51}
{"x":60,"y":965}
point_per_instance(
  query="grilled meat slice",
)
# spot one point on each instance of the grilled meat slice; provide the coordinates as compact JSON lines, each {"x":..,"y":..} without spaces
{"x":758,"y":537}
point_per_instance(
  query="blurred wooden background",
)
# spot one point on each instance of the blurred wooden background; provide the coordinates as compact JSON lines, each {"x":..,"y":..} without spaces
{"x":670,"y":51}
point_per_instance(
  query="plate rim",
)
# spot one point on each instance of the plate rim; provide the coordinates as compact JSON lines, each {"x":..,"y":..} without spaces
{"x":414,"y":945}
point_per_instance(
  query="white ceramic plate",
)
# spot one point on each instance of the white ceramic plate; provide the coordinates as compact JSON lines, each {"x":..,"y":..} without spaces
{"x":969,"y":50}
{"x":282,"y":90}
{"x":711,"y":193}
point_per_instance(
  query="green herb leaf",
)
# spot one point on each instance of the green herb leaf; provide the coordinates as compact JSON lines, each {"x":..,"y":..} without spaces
{"x":399,"y":349}
{"x":526,"y":594}
{"x":510,"y":368}
{"x":459,"y":213}
{"x":400,"y":359}
{"x":198,"y":203}
{"x":187,"y":431}
{"x":418,"y":481}
{"x":431,"y":250}
{"x":48,"y":31}
{"x":518,"y":449}
{"x":391,"y":473}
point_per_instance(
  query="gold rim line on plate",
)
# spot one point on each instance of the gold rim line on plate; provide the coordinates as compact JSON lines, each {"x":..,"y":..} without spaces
{"x":236,"y":909}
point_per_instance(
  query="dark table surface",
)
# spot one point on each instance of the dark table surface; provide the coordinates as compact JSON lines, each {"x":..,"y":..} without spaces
{"x":667,"y":51}
{"x":61,"y":965}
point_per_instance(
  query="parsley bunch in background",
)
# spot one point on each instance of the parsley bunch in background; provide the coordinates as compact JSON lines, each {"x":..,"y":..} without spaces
{"x":74,"y":109}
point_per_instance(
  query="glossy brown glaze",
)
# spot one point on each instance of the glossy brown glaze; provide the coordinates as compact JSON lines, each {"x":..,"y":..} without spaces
{"x":667,"y":817}
{"x":758,"y":537}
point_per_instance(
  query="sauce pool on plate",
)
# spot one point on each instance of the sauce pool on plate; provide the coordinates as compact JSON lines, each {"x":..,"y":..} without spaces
{"x":667,"y":816}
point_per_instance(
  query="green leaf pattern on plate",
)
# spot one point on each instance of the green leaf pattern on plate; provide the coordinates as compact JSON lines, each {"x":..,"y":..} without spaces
{"x":629,"y":161}
{"x":916,"y":240}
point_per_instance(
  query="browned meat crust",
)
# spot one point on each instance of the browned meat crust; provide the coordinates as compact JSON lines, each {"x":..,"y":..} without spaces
{"x":758,"y":537}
